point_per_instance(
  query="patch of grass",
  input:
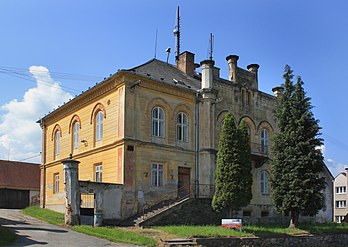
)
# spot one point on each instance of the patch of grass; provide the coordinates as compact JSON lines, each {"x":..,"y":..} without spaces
{"x":6,"y":236}
{"x":116,"y":235}
{"x":254,"y":231}
{"x":203,"y":231}
{"x":45,"y":214}
{"x":325,"y":228}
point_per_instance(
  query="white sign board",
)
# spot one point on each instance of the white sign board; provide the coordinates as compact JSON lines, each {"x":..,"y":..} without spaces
{"x":232,"y":223}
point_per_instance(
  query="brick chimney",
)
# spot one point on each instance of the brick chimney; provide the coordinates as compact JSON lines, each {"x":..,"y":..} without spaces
{"x":207,"y":74}
{"x":232,"y":67}
{"x":186,"y":62}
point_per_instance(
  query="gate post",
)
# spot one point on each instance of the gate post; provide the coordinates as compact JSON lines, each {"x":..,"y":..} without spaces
{"x":72,"y":192}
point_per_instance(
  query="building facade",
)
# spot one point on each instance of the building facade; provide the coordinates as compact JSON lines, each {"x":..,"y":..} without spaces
{"x":155,"y":129}
{"x":340,"y":197}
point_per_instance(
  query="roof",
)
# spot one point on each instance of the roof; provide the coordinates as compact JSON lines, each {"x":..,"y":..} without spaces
{"x":166,"y":73}
{"x":19,"y":175}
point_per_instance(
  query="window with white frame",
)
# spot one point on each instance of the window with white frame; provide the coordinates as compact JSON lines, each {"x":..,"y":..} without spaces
{"x":99,"y":126}
{"x":182,"y":127}
{"x":264,"y":183}
{"x":98,"y":173}
{"x":264,"y":141}
{"x":57,"y":143}
{"x":341,"y":204}
{"x":76,"y":135}
{"x":158,"y":122}
{"x":55,"y":183}
{"x":341,"y":190}
{"x":157,"y":174}
{"x":339,"y":218}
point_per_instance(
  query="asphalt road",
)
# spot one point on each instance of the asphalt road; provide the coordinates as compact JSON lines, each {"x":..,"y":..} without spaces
{"x":33,"y":232}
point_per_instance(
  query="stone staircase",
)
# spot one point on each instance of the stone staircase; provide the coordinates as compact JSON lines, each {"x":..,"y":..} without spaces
{"x":178,"y":242}
{"x":155,"y":212}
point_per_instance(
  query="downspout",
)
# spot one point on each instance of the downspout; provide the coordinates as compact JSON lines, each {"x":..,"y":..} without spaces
{"x":43,"y":163}
{"x":197,"y":146}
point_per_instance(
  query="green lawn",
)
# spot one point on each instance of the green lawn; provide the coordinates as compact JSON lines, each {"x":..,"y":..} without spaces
{"x":44,"y":214}
{"x":6,"y":236}
{"x":252,"y":230}
{"x":146,"y":237}
{"x":110,"y":233}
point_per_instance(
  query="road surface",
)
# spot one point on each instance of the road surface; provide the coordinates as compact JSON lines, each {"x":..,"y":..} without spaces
{"x":33,"y":232}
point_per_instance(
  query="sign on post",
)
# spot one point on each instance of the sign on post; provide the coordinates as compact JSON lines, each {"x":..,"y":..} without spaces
{"x":232,"y":223}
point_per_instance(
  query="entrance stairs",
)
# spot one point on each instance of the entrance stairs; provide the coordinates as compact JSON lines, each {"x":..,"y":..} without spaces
{"x":156,"y":212}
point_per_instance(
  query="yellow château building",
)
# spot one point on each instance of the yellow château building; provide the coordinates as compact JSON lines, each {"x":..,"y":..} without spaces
{"x":154,"y":129}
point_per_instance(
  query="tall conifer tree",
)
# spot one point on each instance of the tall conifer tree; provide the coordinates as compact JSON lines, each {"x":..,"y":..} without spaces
{"x":233,"y":170}
{"x":297,"y":162}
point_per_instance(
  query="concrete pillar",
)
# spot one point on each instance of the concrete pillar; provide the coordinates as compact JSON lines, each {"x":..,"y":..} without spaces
{"x":72,"y":192}
{"x":98,"y":209}
{"x":232,"y":67}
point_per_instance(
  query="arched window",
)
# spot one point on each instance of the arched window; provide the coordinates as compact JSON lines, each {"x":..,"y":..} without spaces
{"x":76,"y":135}
{"x":243,"y":96}
{"x":264,"y":183}
{"x":264,"y":141}
{"x":57,"y":143}
{"x":158,"y":121}
{"x":181,"y":127}
{"x":99,"y":126}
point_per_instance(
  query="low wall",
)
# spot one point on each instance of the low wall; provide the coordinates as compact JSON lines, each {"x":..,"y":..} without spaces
{"x":330,"y":240}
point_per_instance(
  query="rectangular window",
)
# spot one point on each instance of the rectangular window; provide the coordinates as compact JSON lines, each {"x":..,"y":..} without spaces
{"x":98,"y":173}
{"x":339,"y":219}
{"x":247,"y":213}
{"x":157,"y":175}
{"x":341,"y":204}
{"x":341,"y":190}
{"x":55,"y":183}
{"x":264,"y":214}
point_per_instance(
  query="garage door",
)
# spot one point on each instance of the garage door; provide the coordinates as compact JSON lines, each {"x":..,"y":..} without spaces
{"x":10,"y":198}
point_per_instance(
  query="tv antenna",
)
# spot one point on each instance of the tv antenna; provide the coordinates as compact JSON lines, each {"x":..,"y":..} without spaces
{"x":176,"y":32}
{"x":156,"y":43}
{"x":168,"y":52}
{"x":211,"y":46}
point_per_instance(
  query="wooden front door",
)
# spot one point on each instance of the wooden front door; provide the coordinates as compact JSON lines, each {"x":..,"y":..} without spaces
{"x":183,"y":182}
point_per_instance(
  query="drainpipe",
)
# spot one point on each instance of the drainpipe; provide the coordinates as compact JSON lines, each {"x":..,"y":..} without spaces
{"x":197,"y":145}
{"x":43,"y":163}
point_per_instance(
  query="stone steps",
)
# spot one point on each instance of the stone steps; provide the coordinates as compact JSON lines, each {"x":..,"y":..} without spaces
{"x":178,"y":242}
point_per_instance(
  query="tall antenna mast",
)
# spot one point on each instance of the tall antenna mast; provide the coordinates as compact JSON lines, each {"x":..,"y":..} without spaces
{"x":177,"y":34}
{"x":211,"y":46}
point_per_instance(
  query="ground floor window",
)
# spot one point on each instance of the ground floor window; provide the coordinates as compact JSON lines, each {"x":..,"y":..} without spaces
{"x":339,"y":218}
{"x":157,"y":174}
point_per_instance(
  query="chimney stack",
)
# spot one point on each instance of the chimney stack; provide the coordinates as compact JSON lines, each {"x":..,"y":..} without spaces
{"x":207,"y":74}
{"x":277,"y":91}
{"x":186,"y":62}
{"x":232,"y":67}
{"x":254,"y":68}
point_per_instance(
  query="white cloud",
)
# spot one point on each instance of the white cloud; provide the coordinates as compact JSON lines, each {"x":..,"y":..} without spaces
{"x":322,"y":148}
{"x":20,"y":135}
{"x":334,"y":167}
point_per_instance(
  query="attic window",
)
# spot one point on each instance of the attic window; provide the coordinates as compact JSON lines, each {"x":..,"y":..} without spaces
{"x":162,"y":78}
{"x":148,"y":74}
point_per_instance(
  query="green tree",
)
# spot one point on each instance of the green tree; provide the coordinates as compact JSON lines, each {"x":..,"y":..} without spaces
{"x":233,"y":170}
{"x":297,"y":162}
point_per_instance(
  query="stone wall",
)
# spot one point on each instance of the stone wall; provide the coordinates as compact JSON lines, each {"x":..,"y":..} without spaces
{"x":331,"y":240}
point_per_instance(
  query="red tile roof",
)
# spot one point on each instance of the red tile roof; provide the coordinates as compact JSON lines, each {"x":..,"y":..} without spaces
{"x":19,"y":175}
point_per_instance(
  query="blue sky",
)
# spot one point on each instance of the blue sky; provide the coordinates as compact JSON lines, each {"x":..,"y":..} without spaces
{"x":93,"y":39}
